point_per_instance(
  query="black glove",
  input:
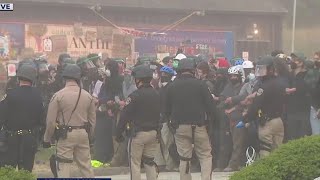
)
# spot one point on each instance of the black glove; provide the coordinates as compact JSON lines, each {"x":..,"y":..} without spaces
{"x":120,"y":138}
{"x":46,"y":145}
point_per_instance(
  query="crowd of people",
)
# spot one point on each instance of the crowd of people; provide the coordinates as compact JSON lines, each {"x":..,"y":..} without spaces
{"x":183,"y":113}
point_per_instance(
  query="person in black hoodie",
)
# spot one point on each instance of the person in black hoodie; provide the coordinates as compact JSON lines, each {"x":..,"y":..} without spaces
{"x":299,"y":103}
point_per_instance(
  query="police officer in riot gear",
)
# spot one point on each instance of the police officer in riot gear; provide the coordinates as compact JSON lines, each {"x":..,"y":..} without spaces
{"x":22,"y":114}
{"x":189,"y":105}
{"x":63,"y":60}
{"x":13,"y":81}
{"x":73,"y":109}
{"x":268,"y":106}
{"x":141,"y":116}
{"x":89,"y":72}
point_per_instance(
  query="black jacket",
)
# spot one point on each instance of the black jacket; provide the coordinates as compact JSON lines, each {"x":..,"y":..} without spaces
{"x":299,"y":101}
{"x":270,"y":99}
{"x":163,"y":94}
{"x":22,"y":109}
{"x":189,"y":101}
{"x":142,"y":110}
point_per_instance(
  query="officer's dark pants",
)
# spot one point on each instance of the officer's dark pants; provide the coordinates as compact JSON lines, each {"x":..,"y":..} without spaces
{"x":103,"y":145}
{"x":239,"y":146}
{"x":224,"y":142}
{"x":21,"y":152}
{"x":297,"y":125}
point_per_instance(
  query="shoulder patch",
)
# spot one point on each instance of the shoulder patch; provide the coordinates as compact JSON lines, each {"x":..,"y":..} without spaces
{"x":259,"y":92}
{"x":4,"y":97}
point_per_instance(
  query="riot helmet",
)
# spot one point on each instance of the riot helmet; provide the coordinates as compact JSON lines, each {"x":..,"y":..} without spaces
{"x":96,"y":59}
{"x":62,"y":58}
{"x":142,"y":74}
{"x":265,"y":67}
{"x":27,"y":72}
{"x":186,"y":65}
{"x":72,"y":71}
{"x":142,"y":71}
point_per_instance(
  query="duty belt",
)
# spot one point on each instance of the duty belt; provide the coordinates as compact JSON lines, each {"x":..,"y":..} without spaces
{"x":70,"y":128}
{"x":19,"y":132}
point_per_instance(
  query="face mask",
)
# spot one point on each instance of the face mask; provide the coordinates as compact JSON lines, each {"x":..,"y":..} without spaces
{"x":155,"y":76}
{"x":234,"y":81}
{"x":293,"y":65}
{"x":108,"y":73}
{"x":175,"y":64}
{"x":165,"y":79}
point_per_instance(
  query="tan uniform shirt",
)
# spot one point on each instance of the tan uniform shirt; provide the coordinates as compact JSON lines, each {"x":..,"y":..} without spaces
{"x":62,"y":105}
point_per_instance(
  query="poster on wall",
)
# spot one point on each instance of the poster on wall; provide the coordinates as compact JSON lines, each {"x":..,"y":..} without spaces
{"x":56,"y":39}
{"x":11,"y":40}
{"x":193,"y":43}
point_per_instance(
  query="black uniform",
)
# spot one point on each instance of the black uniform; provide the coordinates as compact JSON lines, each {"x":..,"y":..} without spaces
{"x":270,"y":99}
{"x":189,"y":107}
{"x":22,"y":114}
{"x":142,"y":110}
{"x":268,"y":109}
{"x":188,"y":99}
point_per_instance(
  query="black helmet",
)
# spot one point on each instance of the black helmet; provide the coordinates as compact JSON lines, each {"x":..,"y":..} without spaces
{"x":69,"y":61}
{"x":72,"y":71}
{"x":26,"y":61}
{"x":85,"y":63}
{"x":263,"y":65}
{"x":186,"y":64}
{"x":142,"y":71}
{"x":28,"y":72}
{"x":63,"y":57}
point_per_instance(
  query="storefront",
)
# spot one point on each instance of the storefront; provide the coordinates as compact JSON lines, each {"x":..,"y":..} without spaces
{"x":194,"y":43}
{"x":77,"y":40}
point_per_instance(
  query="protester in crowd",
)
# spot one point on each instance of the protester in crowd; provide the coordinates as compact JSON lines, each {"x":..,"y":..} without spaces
{"x":168,"y":61}
{"x":202,"y":73}
{"x":314,"y":74}
{"x":298,"y":106}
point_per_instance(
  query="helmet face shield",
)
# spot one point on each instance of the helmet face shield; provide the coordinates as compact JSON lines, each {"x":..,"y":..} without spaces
{"x":261,"y":70}
{"x":89,"y":65}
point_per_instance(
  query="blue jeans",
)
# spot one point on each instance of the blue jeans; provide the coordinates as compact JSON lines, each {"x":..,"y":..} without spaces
{"x":315,"y":122}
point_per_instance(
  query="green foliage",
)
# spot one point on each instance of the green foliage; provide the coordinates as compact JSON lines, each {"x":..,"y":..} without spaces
{"x":296,"y":160}
{"x":9,"y":173}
